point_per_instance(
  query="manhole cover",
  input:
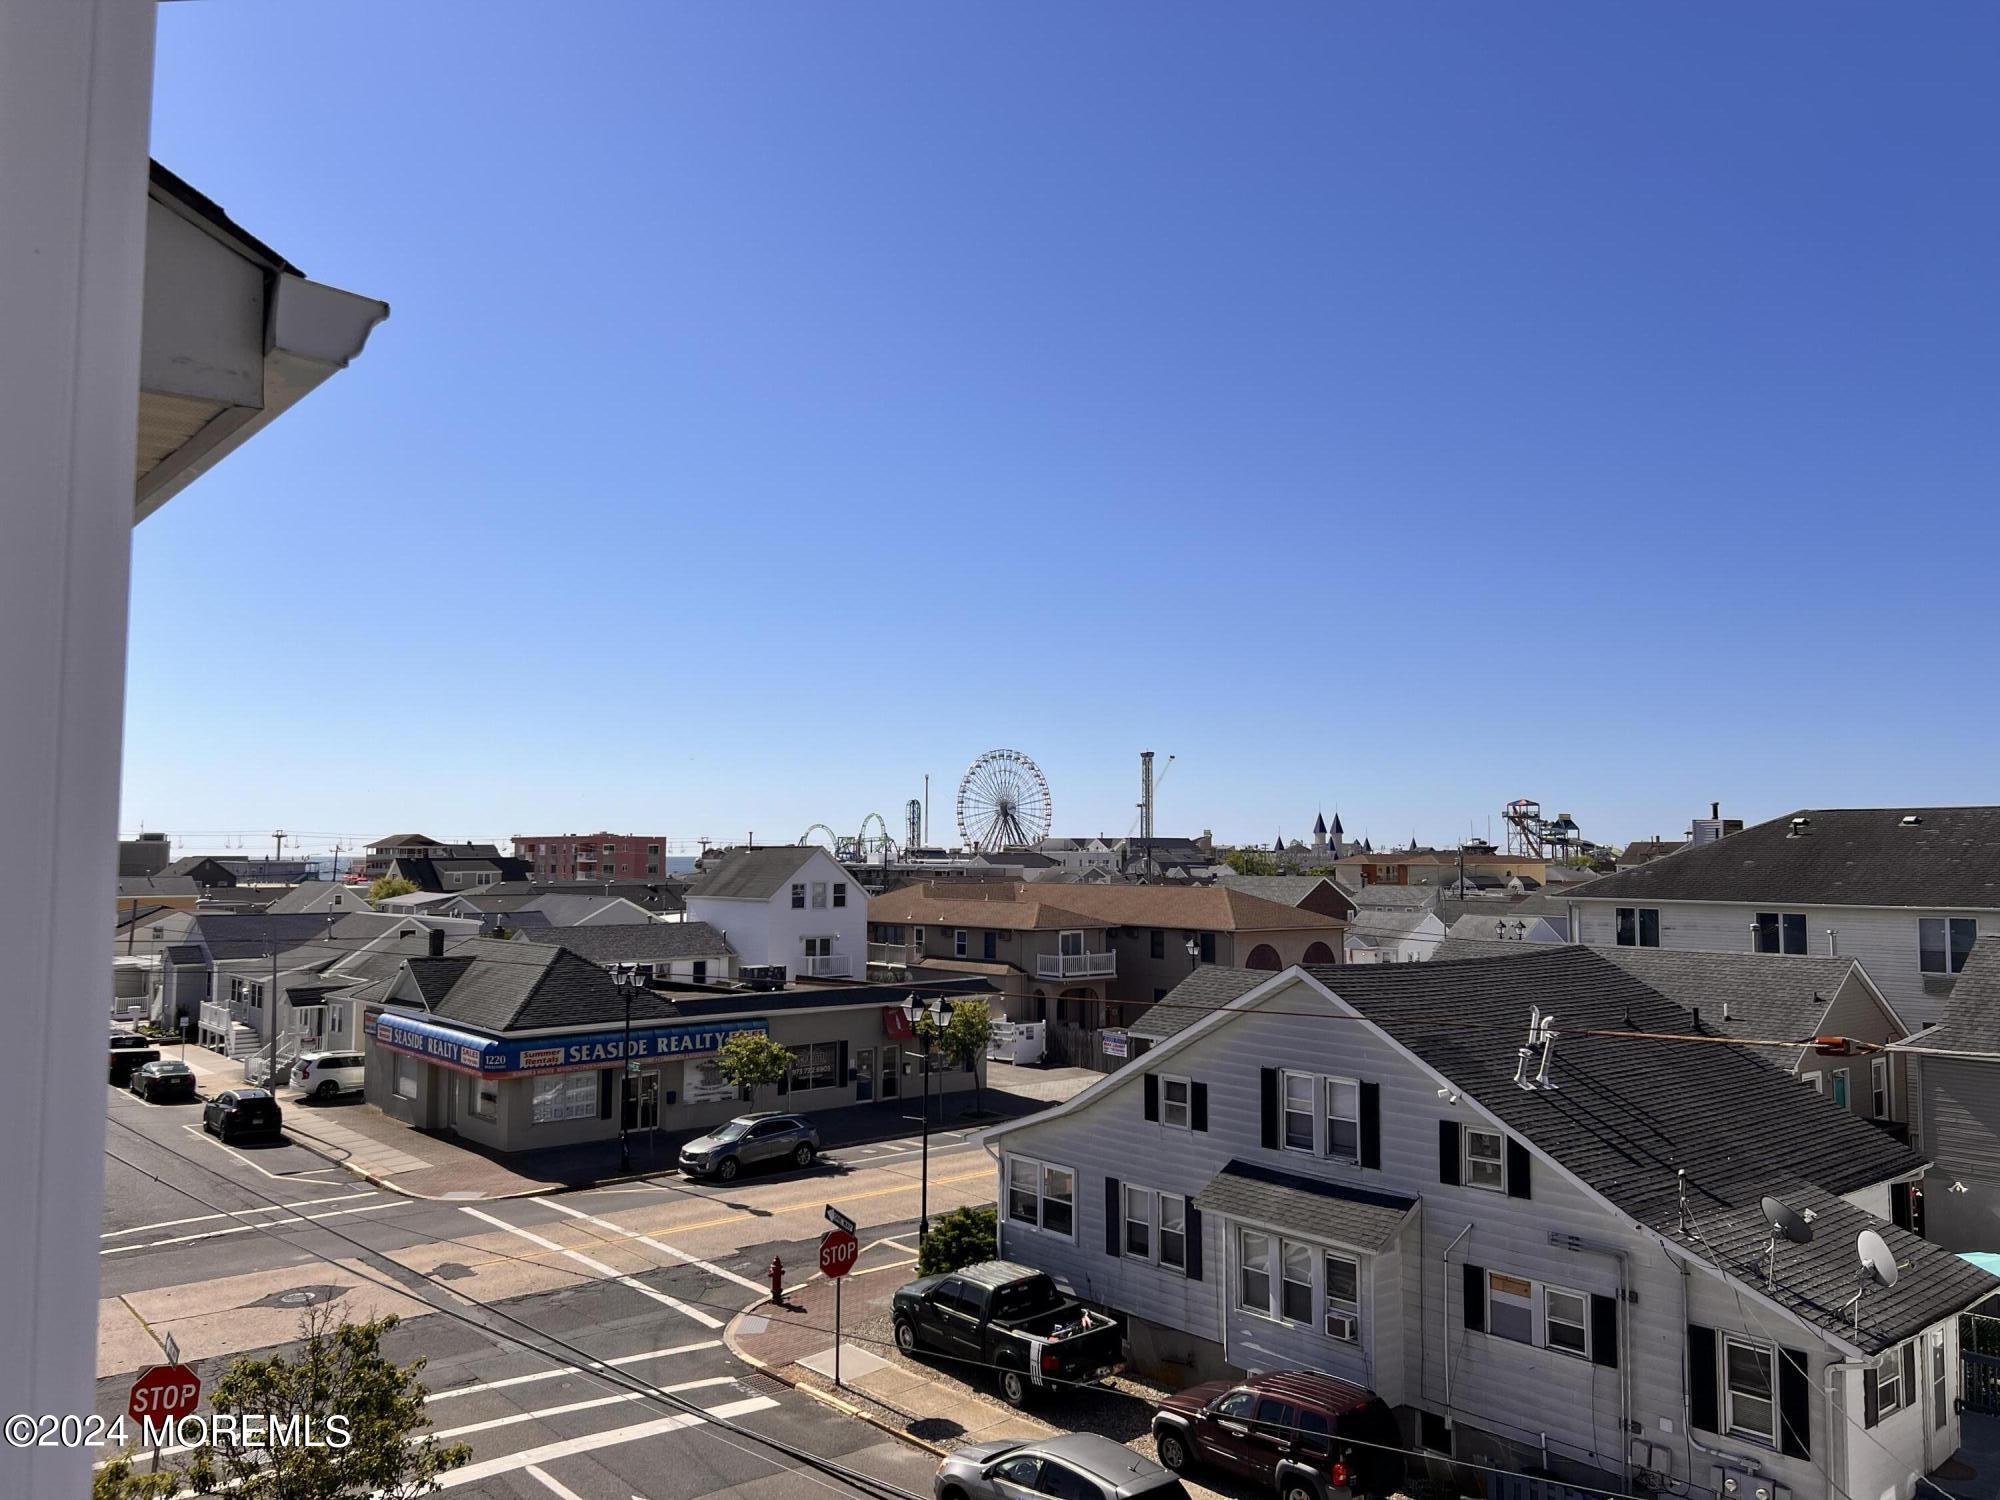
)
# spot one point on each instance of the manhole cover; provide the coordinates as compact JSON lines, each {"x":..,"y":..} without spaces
{"x":301,"y":1296}
{"x":451,"y":1270}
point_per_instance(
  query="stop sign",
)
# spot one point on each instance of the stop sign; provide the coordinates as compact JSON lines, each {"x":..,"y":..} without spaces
{"x":163,"y":1392}
{"x":838,"y":1251}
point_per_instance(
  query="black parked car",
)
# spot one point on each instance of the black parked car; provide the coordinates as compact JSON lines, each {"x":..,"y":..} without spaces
{"x":129,"y":1052}
{"x":168,"y":1081}
{"x":239,"y":1114}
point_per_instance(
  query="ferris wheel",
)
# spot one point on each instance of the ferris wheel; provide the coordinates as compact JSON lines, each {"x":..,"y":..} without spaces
{"x":1003,"y":801}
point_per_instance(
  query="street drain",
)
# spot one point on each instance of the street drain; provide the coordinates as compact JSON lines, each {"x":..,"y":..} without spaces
{"x":301,"y":1296}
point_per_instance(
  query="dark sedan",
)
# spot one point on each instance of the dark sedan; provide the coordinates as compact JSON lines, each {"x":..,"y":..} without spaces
{"x":167,"y":1081}
{"x":243,"y":1114}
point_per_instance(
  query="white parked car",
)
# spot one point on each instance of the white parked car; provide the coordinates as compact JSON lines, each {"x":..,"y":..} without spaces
{"x":325,"y":1074}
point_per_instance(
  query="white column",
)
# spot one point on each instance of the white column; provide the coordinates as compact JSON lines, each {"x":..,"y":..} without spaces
{"x":75,"y":104}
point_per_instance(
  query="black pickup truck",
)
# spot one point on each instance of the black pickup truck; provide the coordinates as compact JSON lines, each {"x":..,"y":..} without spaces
{"x":1012,"y":1320}
{"x":129,"y":1052}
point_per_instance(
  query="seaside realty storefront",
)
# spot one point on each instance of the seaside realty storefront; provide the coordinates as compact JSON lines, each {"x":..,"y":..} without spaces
{"x":522,"y":1090}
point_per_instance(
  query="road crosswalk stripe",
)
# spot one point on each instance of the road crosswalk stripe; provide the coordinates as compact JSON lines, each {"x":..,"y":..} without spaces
{"x":514,"y":1418}
{"x":707,"y":1320}
{"x":554,"y":1486}
{"x":650,"y":1243}
{"x":595,"y":1364}
{"x":262,"y":1208}
{"x":210,"y":1234}
{"x":511,"y":1462}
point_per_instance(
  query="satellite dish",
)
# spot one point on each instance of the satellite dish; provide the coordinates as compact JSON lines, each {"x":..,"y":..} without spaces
{"x":1787,"y":1221}
{"x":1877,"y":1262}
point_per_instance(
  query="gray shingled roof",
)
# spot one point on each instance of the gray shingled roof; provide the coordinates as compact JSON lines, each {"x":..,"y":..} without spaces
{"x":1398,"y":897}
{"x":753,"y":874}
{"x":1206,"y":989}
{"x":255,"y":935}
{"x":1286,"y":890}
{"x":1848,"y":857}
{"x":497,"y":985}
{"x":637,"y":942}
{"x":1628,"y":1114}
{"x":1326,"y":1210}
{"x":1972,"y":1015}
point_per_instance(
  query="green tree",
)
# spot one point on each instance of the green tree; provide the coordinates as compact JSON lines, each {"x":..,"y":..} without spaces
{"x":964,"y":1037}
{"x":385,"y":886}
{"x":1250,"y":862}
{"x":117,"y":1481}
{"x":338,"y":1379}
{"x":962,"y":1237}
{"x":751,"y":1060}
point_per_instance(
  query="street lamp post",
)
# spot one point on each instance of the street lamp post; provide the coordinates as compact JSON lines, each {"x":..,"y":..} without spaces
{"x":627,"y":978}
{"x":923,"y":1021}
{"x":1194,"y":954}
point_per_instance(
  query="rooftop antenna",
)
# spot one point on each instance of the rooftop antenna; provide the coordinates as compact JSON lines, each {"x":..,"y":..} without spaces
{"x":1878,"y":1268}
{"x":1786,"y":1223}
{"x":1542,"y":1079}
{"x":1521,"y":1079}
{"x":1681,"y":1190}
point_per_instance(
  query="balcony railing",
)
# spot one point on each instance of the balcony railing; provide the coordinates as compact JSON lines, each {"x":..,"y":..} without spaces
{"x":1076,"y":965}
{"x":826,"y":966}
{"x":896,"y":954}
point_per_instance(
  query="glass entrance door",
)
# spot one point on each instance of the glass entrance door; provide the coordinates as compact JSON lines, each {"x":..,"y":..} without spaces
{"x":892,"y":1062}
{"x":864,"y":1075}
{"x":642,"y":1101}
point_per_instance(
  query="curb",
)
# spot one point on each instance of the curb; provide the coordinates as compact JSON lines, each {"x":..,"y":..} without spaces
{"x":825,"y":1398}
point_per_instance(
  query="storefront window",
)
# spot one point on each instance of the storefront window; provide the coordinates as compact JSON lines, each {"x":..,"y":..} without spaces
{"x":815,"y":1066}
{"x":482,"y":1099}
{"x":406,"y":1077}
{"x":566,"y":1096}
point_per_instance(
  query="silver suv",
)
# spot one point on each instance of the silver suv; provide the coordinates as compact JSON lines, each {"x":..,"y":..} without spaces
{"x":750,"y":1141}
{"x":322,"y":1075}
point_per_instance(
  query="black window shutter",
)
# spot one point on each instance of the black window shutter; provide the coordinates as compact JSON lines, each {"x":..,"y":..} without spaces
{"x":1152,"y":1097}
{"x":1899,"y":1206}
{"x":1193,"y":1243}
{"x":1871,"y":1398}
{"x":1114,"y":1213}
{"x":1604,"y":1331}
{"x":1198,"y":1106}
{"x":1910,"y":1373}
{"x":1371,"y":1125}
{"x":1518,"y":1182}
{"x":1704,"y":1401}
{"x":1448,"y":1153}
{"x":1794,"y":1404}
{"x":604,"y":1088}
{"x":841,"y":1076}
{"x":1270,"y":1101}
{"x":1475,"y":1297}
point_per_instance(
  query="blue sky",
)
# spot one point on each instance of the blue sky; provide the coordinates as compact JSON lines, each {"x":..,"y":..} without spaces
{"x":1399,"y":407}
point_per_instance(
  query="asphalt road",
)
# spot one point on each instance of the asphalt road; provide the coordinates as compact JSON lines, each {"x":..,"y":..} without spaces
{"x":646,"y":1294}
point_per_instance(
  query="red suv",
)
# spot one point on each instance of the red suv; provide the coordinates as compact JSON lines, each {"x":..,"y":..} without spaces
{"x":1308,"y":1436}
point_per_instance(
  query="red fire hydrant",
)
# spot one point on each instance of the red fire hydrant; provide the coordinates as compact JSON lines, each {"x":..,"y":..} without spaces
{"x":777,"y":1281}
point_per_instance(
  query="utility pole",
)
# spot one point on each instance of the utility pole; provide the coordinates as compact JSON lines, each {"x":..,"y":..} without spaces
{"x":278,"y":848}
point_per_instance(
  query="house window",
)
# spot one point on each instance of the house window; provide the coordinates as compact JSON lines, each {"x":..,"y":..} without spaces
{"x":917,"y":935}
{"x":1343,"y":1119}
{"x":1157,"y":943}
{"x":406,"y":1077}
{"x":1840,"y":1087}
{"x":567,"y":1096}
{"x":1781,"y":932}
{"x":1253,"y":1273}
{"x":1207,"y":940}
{"x":482,"y":1099}
{"x":819,"y":895}
{"x":1343,"y":1298}
{"x":699,"y":971}
{"x":1891,"y":1393}
{"x":1638,"y":927}
{"x":958,"y":942}
{"x":1566,"y":1321}
{"x":1173,"y":1231}
{"x":1298,"y":1102}
{"x":1814,"y":1082}
{"x":1140,"y":1204}
{"x":1748,"y":1370}
{"x":840,"y":893}
{"x":988,"y":946}
{"x":1510,"y":1307}
{"x":1041,"y":1196}
{"x":1878,"y":1087}
{"x":1940,"y":1406}
{"x":1296,"y":1295}
{"x":815,"y":1065}
{"x":1174,"y":1103}
{"x":1944,"y":943}
{"x":1485,"y":1160}
{"x":798,"y":896}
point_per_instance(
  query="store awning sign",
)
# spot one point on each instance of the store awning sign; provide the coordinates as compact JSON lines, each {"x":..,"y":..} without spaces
{"x":496,"y":1057}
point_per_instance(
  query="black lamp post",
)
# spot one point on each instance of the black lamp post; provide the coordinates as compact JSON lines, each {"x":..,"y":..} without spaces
{"x":626,"y":976}
{"x":923,"y":1019}
{"x":1194,"y":954}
